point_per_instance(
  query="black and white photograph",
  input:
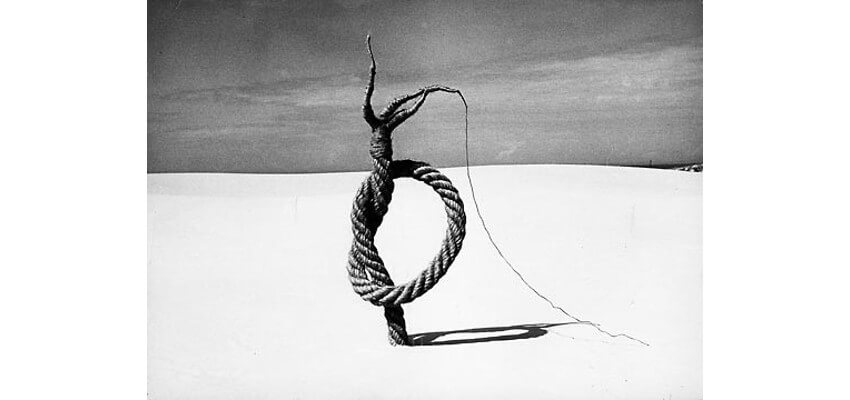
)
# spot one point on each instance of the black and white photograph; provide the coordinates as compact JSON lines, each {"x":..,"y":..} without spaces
{"x":424,"y":199}
{"x":375,"y":199}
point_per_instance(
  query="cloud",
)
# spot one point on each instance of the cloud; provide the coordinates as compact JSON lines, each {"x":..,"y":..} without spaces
{"x":613,"y":107}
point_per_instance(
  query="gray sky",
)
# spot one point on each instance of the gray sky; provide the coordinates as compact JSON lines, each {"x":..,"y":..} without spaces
{"x":276,"y":86}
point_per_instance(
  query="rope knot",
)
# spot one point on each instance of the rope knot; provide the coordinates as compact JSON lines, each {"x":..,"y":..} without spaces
{"x":381,"y":145}
{"x":366,"y":271}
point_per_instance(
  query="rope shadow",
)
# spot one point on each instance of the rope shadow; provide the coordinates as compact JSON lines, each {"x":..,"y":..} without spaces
{"x":531,"y":331}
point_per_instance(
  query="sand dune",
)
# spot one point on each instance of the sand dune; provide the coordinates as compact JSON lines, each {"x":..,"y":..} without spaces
{"x":249,"y":297}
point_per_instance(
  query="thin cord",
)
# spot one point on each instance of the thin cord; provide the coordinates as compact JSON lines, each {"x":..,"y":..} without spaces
{"x":498,"y":250}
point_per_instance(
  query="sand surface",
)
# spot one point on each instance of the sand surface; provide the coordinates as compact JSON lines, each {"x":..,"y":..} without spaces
{"x":248,"y":296}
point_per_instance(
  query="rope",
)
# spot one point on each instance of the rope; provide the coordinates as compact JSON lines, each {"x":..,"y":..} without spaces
{"x":366,"y":271}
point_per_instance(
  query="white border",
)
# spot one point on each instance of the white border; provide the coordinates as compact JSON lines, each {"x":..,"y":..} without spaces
{"x":775,"y":87}
{"x":73,"y":215}
{"x":73,"y":290}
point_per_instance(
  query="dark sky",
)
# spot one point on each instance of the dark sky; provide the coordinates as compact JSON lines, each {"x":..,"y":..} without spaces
{"x":276,"y":86}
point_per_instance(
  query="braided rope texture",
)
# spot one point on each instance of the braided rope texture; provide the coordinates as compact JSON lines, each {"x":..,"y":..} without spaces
{"x":366,"y":270}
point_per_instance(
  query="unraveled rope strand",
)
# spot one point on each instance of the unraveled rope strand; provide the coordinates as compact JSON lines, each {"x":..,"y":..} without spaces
{"x":499,"y":250}
{"x":367,"y":273}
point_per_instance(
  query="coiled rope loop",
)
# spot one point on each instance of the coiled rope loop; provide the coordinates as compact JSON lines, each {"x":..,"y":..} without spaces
{"x":366,"y":269}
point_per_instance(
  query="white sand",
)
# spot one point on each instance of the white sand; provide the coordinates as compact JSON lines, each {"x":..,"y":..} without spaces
{"x":249,"y":297}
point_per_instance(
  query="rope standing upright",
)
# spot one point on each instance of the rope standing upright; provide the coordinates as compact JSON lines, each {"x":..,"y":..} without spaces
{"x":366,"y":269}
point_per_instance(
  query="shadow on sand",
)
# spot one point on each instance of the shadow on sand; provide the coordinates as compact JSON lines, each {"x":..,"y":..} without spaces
{"x":531,"y":331}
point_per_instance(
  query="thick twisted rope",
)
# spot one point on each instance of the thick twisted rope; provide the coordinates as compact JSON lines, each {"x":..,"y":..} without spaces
{"x":366,"y":269}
